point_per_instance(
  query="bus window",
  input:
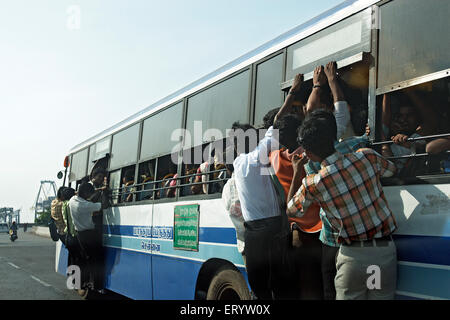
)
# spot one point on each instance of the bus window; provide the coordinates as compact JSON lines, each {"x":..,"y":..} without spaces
{"x":268,"y":94}
{"x":78,"y":165}
{"x":125,"y":147}
{"x":207,"y":175}
{"x":411,"y":40}
{"x":128,"y":188}
{"x":192,"y":159}
{"x":114,"y":185}
{"x":163,"y":124}
{"x":216,"y":108}
{"x":355,"y":84}
{"x":410,"y":115}
{"x":146,"y":180}
{"x":166,"y":174}
{"x":342,"y":40}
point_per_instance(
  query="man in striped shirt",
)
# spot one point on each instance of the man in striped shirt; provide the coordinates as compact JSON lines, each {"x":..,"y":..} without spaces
{"x":348,"y":189}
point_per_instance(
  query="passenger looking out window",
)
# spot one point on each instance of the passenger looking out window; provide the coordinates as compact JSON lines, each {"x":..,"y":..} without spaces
{"x":128,"y":188}
{"x":413,"y":118}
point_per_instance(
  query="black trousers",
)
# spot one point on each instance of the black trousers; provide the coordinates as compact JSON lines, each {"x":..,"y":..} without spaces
{"x":265,"y":252}
{"x":92,"y":266}
{"x":308,"y":258}
{"x":329,"y":271}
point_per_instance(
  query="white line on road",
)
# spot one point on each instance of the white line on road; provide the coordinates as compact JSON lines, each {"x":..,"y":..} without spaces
{"x":40,"y":281}
{"x":13,"y":265}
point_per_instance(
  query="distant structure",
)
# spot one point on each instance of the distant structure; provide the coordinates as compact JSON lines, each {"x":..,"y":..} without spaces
{"x":45,"y":196}
{"x":8,"y":215}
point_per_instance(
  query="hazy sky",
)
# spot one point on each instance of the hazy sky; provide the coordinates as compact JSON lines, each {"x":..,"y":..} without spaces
{"x":60,"y":84}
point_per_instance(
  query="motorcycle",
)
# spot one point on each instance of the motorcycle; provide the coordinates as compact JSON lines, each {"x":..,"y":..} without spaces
{"x":13,"y":235}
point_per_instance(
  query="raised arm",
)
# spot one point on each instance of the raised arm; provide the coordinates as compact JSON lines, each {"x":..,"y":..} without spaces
{"x":289,"y":101}
{"x":299,"y":173}
{"x":341,"y":109}
{"x":319,"y":79}
{"x":331,"y":73}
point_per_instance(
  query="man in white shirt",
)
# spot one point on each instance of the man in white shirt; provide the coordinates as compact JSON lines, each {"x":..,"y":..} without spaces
{"x":261,"y":214}
{"x":82,"y":211}
{"x":266,"y":230}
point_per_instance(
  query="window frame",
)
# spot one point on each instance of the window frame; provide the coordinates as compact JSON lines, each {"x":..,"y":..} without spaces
{"x":141,"y":135}
{"x":248,"y":68}
{"x":113,"y":168}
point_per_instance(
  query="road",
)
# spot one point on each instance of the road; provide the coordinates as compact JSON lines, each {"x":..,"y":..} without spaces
{"x":27,"y":270}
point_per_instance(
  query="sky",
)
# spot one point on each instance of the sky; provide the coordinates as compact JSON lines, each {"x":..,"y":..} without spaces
{"x":70,"y":69}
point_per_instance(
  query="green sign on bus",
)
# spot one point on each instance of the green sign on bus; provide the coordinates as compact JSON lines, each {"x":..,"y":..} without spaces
{"x":186,"y":227}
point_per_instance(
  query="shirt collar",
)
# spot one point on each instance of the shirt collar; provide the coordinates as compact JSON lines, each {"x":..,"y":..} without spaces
{"x":331,"y":159}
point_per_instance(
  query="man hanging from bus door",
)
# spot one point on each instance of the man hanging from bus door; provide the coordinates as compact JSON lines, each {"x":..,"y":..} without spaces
{"x":349,"y":191}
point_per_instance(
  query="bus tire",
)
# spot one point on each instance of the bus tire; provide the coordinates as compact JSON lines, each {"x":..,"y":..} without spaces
{"x":228,"y":284}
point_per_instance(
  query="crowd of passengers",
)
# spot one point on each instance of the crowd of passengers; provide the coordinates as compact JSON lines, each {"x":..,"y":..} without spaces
{"x":311,"y":219}
{"x":307,"y":203}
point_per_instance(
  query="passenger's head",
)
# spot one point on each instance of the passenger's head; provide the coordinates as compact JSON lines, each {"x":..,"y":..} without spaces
{"x":245,"y":137}
{"x":98,"y":175}
{"x":270,"y":117}
{"x":128,"y":176}
{"x":86,"y":190}
{"x":406,"y":120}
{"x":288,"y":126}
{"x":59,"y":194}
{"x":68,"y":193}
{"x":317,"y":135}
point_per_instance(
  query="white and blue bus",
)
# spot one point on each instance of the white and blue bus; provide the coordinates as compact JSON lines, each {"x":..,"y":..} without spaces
{"x":173,"y":242}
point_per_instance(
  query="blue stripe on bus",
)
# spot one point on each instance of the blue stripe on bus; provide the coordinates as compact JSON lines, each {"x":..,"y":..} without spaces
{"x":163,"y":247}
{"x":424,"y":280}
{"x":206,"y":234}
{"x":423,"y":249}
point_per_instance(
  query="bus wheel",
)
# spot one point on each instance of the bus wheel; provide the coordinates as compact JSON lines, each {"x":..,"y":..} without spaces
{"x":228,"y":284}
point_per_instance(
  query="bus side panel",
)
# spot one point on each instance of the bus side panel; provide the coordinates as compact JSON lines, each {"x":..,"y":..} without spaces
{"x":422,"y":239}
{"x":127,"y":238}
{"x":174,"y":279}
{"x":128,"y":273}
{"x":175,"y":271}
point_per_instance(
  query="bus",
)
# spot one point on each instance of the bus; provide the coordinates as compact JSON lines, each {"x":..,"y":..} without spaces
{"x":165,"y":238}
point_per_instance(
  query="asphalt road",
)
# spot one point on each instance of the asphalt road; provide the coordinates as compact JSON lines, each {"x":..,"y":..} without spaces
{"x":27,"y":270}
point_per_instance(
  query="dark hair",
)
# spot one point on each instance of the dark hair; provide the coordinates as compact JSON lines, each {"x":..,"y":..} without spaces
{"x":99,"y":170}
{"x":318,"y":133}
{"x":59,"y":194}
{"x":86,"y":190}
{"x":288,"y":126}
{"x":236,"y":125}
{"x":325,"y":114}
{"x":244,"y":127}
{"x":129,"y":175}
{"x":270,"y":117}
{"x":68,"y":193}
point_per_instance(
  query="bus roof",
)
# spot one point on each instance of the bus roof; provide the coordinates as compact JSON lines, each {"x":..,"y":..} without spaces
{"x":329,"y":17}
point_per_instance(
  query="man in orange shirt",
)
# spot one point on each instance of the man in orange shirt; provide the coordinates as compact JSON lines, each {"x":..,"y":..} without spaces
{"x":307,"y":246}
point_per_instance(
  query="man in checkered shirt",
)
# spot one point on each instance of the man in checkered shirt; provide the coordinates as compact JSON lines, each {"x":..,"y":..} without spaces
{"x":348,"y":189}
